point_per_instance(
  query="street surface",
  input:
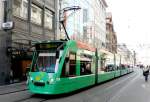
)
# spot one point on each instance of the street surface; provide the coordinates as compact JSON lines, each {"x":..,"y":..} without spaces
{"x":129,"y":88}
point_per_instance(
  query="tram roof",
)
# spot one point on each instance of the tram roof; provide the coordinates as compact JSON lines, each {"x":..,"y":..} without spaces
{"x":79,"y":44}
{"x":50,"y":41}
{"x":85,"y":46}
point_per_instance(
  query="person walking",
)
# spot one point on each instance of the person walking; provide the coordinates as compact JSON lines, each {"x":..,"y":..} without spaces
{"x":11,"y":76}
{"x":146,"y":73}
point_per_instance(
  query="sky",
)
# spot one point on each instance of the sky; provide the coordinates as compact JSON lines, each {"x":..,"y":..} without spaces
{"x":131,"y":20}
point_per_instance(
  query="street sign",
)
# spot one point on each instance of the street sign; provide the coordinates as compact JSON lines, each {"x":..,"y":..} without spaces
{"x":8,"y":25}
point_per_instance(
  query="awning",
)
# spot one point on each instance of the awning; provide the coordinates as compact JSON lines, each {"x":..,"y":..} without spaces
{"x":105,"y":51}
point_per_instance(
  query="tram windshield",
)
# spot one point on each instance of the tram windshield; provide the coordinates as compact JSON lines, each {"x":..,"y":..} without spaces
{"x":46,"y":62}
{"x":46,"y":55}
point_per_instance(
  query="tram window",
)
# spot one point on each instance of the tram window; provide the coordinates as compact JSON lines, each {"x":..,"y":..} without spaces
{"x":45,"y":62}
{"x":85,"y":64}
{"x":65,"y":68}
{"x":122,"y":66}
{"x":85,"y":68}
{"x":64,"y":72}
{"x":34,"y":68}
{"x":99,"y":66}
{"x":72,"y":64}
{"x":72,"y":68}
{"x":69,"y":66}
{"x":110,"y":67}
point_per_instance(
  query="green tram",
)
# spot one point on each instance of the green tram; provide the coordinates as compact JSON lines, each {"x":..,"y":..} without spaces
{"x":64,"y":66}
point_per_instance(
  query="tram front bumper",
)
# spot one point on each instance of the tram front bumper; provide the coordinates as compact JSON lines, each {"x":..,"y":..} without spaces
{"x":41,"y":88}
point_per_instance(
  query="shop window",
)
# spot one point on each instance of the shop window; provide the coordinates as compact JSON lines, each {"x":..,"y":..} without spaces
{"x":49,"y":19}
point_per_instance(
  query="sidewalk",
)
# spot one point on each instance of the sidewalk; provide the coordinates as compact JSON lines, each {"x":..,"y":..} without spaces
{"x":13,"y":88}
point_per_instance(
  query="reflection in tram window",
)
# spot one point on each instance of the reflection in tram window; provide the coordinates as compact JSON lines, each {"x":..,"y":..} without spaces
{"x":69,"y":67}
{"x":46,"y":62}
{"x":85,"y":64}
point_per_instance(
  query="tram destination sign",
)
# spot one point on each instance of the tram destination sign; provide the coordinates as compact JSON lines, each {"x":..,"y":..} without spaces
{"x":45,"y":46}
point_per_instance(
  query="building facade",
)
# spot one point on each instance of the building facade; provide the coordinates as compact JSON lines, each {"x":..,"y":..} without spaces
{"x":125,"y":56}
{"x":111,"y":37}
{"x":87,"y":24}
{"x":109,"y":52}
{"x":4,"y":59}
{"x":34,"y":20}
{"x":1,"y":13}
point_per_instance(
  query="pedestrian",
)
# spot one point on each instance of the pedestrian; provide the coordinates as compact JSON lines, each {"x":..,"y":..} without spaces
{"x":11,"y":76}
{"x":146,"y":73}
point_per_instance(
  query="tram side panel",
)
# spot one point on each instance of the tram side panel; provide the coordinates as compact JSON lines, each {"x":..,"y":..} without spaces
{"x":71,"y":76}
{"x":105,"y":76}
{"x":117,"y":73}
{"x":102,"y":74}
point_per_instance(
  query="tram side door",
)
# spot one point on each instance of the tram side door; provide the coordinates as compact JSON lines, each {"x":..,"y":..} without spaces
{"x":69,"y":67}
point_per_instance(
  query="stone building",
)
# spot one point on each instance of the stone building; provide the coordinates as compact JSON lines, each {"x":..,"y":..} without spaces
{"x":87,"y":24}
{"x":33,"y":21}
{"x":111,"y":37}
{"x":125,"y":55}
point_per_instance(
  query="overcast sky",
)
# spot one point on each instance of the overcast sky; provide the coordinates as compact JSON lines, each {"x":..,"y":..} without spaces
{"x":132,"y":24}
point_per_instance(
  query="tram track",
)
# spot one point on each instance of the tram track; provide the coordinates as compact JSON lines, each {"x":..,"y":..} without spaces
{"x":32,"y":98}
{"x":22,"y":95}
{"x":11,"y":92}
{"x":41,"y":98}
{"x":22,"y":100}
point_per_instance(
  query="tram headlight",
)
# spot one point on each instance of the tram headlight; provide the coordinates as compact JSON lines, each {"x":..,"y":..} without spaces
{"x":51,"y":81}
{"x":31,"y":78}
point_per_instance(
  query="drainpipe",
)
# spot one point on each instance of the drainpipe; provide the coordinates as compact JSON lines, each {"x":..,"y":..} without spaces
{"x":56,"y":19}
{"x":43,"y":20}
{"x":5,"y":10}
{"x":29,"y":19}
